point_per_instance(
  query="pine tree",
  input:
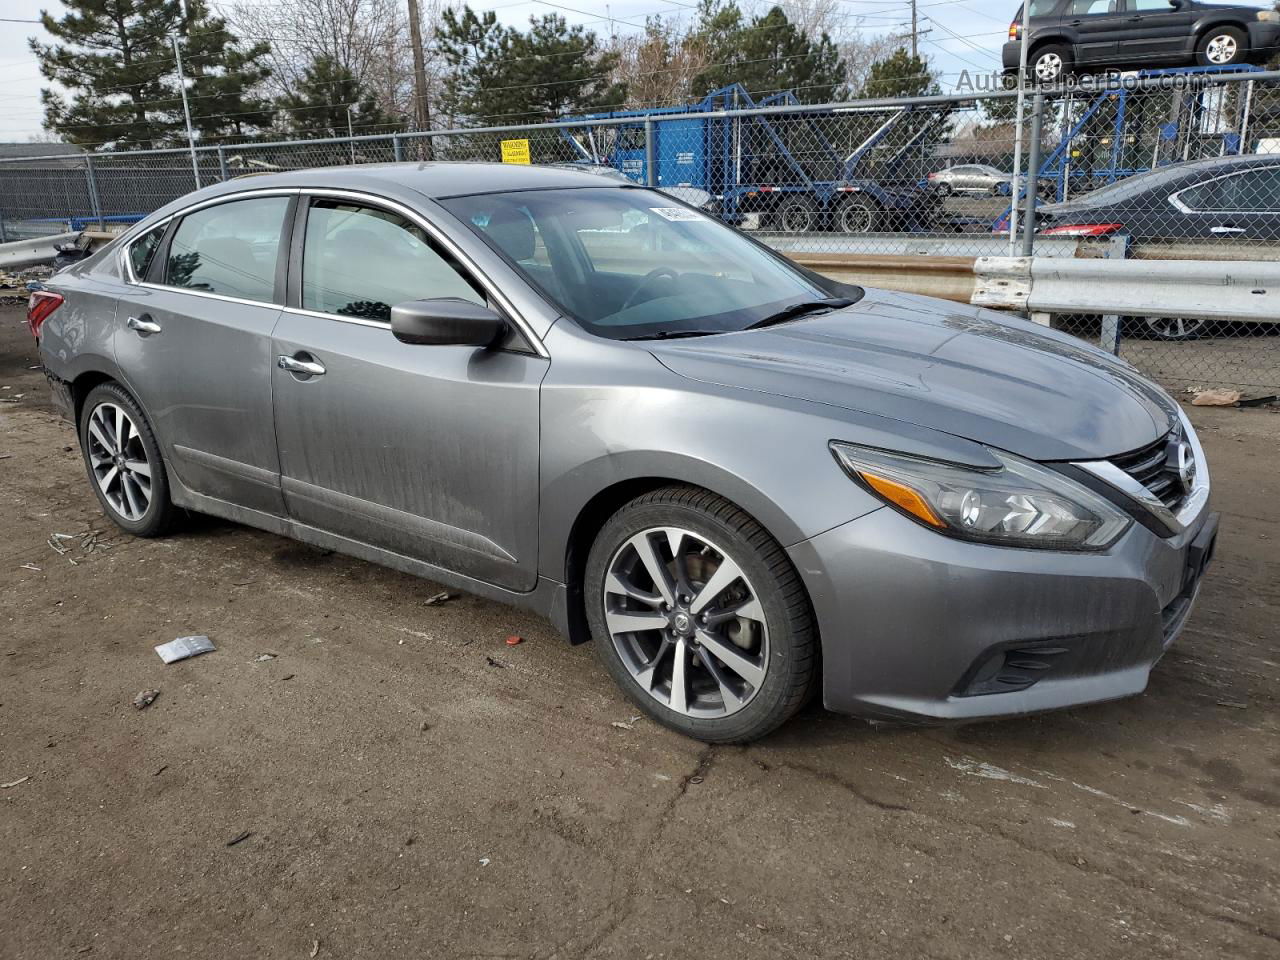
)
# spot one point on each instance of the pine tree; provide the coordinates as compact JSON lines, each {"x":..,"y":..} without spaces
{"x":227,"y":77}
{"x":116,"y":59}
{"x":318,"y":107}
{"x":768,"y":54}
{"x":503,"y":75}
{"x":899,"y":75}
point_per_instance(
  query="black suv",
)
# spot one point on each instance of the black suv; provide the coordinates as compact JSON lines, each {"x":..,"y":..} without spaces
{"x":1086,"y":36}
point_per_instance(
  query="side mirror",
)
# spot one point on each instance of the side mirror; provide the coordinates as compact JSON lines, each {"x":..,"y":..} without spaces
{"x":446,"y":321}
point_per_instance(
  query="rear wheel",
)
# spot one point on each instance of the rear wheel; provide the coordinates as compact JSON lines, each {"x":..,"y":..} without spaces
{"x":859,"y":214}
{"x":796,"y":215}
{"x":1050,"y":64}
{"x":123,"y":461}
{"x":698,"y":614}
{"x":1222,"y":47}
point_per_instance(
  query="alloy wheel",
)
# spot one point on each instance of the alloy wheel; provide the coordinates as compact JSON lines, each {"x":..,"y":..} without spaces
{"x":1221,"y":49}
{"x":1049,"y":68}
{"x":686,"y":622}
{"x":119,"y":461}
{"x":1174,"y":328}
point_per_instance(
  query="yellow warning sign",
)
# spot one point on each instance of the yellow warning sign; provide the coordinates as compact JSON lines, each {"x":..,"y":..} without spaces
{"x":515,"y":151}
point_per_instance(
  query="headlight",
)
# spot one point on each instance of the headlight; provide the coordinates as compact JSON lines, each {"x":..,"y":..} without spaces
{"x":1269,"y":16}
{"x":1019,"y":504}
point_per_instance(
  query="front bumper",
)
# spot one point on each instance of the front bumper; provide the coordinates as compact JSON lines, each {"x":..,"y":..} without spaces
{"x":921,"y":627}
{"x":1264,"y":37}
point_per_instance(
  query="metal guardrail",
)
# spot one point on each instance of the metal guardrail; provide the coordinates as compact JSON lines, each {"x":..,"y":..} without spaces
{"x":26,"y":253}
{"x":1230,"y":290}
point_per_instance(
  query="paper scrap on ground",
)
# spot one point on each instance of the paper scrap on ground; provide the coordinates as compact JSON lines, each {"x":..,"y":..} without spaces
{"x":184,"y":647}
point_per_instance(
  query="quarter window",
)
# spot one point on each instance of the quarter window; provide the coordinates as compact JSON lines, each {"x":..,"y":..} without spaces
{"x":361,"y":261}
{"x":144,"y":250}
{"x":231,"y":249}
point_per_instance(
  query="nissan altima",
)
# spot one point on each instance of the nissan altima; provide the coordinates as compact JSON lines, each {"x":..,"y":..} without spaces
{"x":743,"y":483}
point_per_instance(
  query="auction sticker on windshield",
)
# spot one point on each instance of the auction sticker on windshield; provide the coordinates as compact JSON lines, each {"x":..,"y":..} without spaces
{"x":676,"y":213}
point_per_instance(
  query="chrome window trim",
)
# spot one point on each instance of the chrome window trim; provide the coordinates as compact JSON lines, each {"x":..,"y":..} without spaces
{"x":444,"y":241}
{"x":126,"y":264}
{"x":209,"y":295}
{"x":320,"y":315}
{"x":1177,"y":201}
{"x":1192,"y":506}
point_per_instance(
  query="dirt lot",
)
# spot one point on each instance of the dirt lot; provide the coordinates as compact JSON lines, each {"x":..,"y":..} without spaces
{"x":411,"y":786}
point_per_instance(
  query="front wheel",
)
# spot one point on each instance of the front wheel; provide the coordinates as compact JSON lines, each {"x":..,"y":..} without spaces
{"x":698,"y":614}
{"x":123,"y":461}
{"x":1222,"y":47}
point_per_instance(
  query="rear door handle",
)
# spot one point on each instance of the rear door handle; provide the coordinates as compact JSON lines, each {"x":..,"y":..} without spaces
{"x":143,"y":326}
{"x":300,"y":367}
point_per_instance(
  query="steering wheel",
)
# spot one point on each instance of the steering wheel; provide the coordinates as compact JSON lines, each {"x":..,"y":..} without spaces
{"x":655,"y":274}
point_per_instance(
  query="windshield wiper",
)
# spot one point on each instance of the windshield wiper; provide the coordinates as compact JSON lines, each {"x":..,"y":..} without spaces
{"x":677,"y":334}
{"x":798,"y":310}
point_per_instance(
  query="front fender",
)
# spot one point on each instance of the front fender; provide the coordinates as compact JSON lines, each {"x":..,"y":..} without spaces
{"x":611,"y":413}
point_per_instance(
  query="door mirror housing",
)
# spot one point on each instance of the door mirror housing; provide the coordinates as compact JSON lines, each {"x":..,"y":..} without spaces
{"x":446,"y":321}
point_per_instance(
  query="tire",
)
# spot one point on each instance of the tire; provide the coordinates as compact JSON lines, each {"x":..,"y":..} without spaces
{"x":1169,"y":329}
{"x":860,"y":214}
{"x":136,"y":503}
{"x":945,"y":189}
{"x":1050,"y":64}
{"x":1222,"y":47}
{"x":744,"y":676}
{"x":796,"y":215}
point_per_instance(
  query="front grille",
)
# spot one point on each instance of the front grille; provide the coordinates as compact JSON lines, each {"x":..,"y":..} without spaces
{"x":1150,"y":467}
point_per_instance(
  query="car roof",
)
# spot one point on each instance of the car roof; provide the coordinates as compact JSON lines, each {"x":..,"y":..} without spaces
{"x":437,"y":180}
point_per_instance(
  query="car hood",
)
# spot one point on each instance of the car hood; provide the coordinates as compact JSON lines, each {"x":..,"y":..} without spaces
{"x":972,"y":373}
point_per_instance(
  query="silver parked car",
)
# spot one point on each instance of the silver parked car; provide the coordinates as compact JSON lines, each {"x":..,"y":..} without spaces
{"x":970,"y":178}
{"x":742,"y":481}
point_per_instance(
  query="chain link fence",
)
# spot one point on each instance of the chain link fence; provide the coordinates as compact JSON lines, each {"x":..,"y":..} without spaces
{"x":1174,"y":164}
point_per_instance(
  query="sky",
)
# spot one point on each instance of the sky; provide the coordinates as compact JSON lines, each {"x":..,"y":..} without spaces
{"x":963,"y":35}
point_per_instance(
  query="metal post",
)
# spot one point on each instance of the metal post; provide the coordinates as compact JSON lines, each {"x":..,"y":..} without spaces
{"x":91,"y":181}
{"x":650,"y":153}
{"x":3,"y":238}
{"x":397,"y":148}
{"x":1033,"y":175}
{"x":1017,"y":136}
{"x":222,"y":164}
{"x":351,"y":133}
{"x":1117,"y":249}
{"x":186,"y":110}
{"x":1245,"y":120}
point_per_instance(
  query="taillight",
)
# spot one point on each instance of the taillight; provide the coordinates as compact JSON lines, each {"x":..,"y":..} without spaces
{"x":1085,"y":230}
{"x":1013,"y":30}
{"x":39,"y":307}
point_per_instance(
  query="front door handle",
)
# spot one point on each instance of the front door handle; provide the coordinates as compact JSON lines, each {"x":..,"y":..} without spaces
{"x":144,"y":326}
{"x":1226,"y":228}
{"x":300,"y":367}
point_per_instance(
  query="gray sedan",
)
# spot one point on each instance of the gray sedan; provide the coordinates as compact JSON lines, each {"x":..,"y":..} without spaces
{"x":970,"y":178}
{"x":742,"y":482}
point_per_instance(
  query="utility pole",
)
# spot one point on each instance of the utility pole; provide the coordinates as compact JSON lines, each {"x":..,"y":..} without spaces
{"x":915,"y":31}
{"x":421,"y":108}
{"x":186,"y":110}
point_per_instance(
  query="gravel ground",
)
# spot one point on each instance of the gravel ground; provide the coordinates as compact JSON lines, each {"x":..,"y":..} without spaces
{"x":408,"y":785}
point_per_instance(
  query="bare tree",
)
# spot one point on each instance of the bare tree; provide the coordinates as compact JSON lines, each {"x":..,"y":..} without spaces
{"x":369,"y":38}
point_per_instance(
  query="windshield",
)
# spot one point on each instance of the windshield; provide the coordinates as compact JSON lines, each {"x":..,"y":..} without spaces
{"x":631,"y":263}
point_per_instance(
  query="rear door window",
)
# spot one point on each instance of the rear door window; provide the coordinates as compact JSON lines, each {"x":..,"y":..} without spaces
{"x":1252,"y":191}
{"x":360,"y":261}
{"x":231,"y":249}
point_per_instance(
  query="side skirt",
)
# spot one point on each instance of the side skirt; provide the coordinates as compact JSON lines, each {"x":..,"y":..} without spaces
{"x":548,"y":598}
